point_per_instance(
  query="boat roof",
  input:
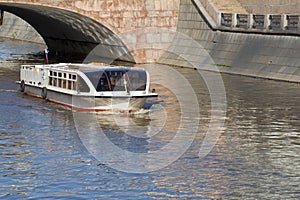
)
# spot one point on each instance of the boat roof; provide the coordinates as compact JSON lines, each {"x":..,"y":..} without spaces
{"x":84,"y":67}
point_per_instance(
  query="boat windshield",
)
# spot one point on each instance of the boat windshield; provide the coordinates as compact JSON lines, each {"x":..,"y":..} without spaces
{"x":118,"y":80}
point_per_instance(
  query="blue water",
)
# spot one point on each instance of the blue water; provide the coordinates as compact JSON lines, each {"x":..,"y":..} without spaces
{"x":257,"y":156}
{"x":13,"y":50}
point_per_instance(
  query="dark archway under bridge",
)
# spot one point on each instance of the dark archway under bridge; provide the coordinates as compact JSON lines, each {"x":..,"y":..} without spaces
{"x":69,"y":36}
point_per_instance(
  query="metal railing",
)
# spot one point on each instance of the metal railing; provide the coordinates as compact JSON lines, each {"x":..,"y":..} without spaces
{"x":256,"y":22}
{"x":264,"y":23}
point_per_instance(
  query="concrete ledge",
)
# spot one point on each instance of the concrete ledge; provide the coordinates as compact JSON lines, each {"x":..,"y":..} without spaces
{"x":264,"y":73}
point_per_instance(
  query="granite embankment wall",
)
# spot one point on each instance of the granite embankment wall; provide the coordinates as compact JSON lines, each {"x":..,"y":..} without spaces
{"x":251,"y":54}
{"x":16,"y":28}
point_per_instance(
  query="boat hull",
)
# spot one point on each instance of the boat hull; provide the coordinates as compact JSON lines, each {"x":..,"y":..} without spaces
{"x":88,"y":103}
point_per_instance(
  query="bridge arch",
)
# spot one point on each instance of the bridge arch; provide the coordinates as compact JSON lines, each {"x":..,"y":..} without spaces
{"x":71,"y":36}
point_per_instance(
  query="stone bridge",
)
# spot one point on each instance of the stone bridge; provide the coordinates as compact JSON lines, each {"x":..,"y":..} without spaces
{"x":110,"y":29}
{"x":230,"y":36}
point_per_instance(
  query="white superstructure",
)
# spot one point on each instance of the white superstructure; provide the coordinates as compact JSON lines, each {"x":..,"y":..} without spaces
{"x":111,"y":87}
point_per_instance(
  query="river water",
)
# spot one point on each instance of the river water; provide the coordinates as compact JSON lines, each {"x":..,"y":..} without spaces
{"x":45,"y":154}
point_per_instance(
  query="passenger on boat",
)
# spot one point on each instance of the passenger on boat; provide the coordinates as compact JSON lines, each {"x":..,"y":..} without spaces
{"x":103,"y":84}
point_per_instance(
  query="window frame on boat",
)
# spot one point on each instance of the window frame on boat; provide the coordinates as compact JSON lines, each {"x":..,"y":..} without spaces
{"x":62,"y":79}
{"x":111,"y":79}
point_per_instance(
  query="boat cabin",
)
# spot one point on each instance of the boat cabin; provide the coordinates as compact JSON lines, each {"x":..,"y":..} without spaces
{"x":86,"y":78}
{"x":117,"y":79}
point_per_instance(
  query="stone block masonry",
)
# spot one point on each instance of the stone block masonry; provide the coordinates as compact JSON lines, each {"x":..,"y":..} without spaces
{"x":16,"y":28}
{"x":125,"y":17}
{"x":119,"y":16}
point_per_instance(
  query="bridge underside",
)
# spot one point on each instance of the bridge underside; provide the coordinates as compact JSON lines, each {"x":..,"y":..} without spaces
{"x":71,"y":37}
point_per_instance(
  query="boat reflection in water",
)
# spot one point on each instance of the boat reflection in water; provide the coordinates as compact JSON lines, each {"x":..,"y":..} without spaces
{"x":130,"y":142}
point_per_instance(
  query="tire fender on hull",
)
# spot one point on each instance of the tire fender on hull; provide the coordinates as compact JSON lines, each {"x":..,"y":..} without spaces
{"x":44,"y":93}
{"x":22,"y":86}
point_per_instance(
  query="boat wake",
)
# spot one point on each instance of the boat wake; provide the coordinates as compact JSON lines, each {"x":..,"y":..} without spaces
{"x":5,"y":90}
{"x":115,"y":112}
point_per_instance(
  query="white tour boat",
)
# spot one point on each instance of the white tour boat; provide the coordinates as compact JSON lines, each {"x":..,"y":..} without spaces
{"x":88,"y":87}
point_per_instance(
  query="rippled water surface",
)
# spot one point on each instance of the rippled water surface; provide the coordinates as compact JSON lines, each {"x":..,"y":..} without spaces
{"x":14,"y":50}
{"x":257,"y":156}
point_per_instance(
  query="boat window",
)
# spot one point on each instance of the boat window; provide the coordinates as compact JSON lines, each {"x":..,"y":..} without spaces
{"x":118,"y":80}
{"x":50,"y":81}
{"x":103,"y":84}
{"x":137,"y":80}
{"x":74,"y":85}
{"x":64,"y":84}
{"x":99,"y":80}
{"x":55,"y":82}
{"x":70,"y":85}
{"x":82,"y":86}
{"x":59,"y":82}
{"x":63,"y":80}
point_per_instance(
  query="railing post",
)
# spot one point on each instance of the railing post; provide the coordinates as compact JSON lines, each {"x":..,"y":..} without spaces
{"x":284,"y":22}
{"x":219,"y":19}
{"x":234,"y":20}
{"x":267,"y":22}
{"x":251,"y":21}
